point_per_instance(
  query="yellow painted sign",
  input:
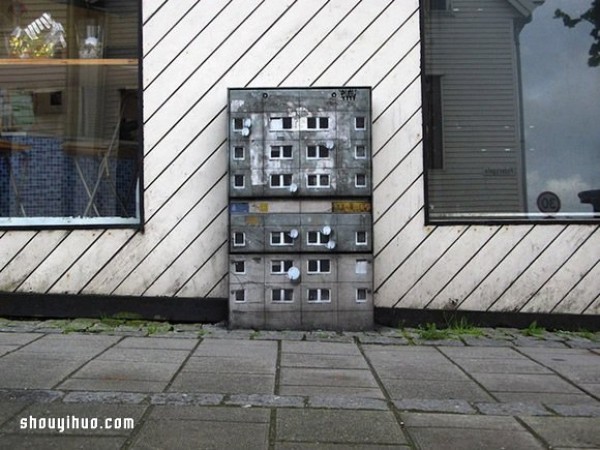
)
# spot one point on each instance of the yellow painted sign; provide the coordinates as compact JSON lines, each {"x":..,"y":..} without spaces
{"x":351,"y":207}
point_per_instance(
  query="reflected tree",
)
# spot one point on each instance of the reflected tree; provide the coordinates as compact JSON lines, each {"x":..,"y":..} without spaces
{"x":592,"y":15}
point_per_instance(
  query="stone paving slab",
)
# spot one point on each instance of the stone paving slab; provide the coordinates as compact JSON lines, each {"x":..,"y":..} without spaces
{"x":517,"y":382}
{"x":196,"y":387}
{"x":223,"y":383}
{"x":67,"y":346}
{"x":111,"y":370}
{"x":204,"y":428}
{"x":30,"y":372}
{"x":566,"y":431}
{"x":470,"y":391}
{"x":546,"y":398}
{"x":338,"y":426}
{"x":327,"y":377}
{"x":248,"y":364}
{"x":473,"y":439}
{"x":320,"y":348}
{"x":501,"y":366}
{"x":323,"y":361}
{"x":482,"y":353}
{"x":62,"y":442}
{"x":159,"y":343}
{"x":309,"y":446}
{"x":332,"y":391}
{"x":18,"y":338}
{"x":111,"y":385}
{"x":143,"y":355}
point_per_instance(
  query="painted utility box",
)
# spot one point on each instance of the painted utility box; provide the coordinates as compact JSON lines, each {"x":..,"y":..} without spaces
{"x":300,"y":208}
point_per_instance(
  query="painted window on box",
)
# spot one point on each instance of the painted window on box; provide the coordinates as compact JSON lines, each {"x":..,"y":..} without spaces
{"x":70,"y":121}
{"x":282,"y":295}
{"x":320,"y":295}
{"x":510,"y":125}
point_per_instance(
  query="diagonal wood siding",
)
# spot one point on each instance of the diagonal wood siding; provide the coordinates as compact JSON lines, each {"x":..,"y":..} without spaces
{"x":193,"y":51}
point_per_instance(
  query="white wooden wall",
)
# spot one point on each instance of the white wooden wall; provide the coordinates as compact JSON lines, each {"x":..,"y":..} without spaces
{"x":193,"y":51}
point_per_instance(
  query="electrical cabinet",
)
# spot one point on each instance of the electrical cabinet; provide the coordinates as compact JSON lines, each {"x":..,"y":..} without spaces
{"x":300,"y":208}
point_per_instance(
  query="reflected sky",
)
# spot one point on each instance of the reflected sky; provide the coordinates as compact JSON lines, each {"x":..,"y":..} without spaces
{"x":561,"y":96}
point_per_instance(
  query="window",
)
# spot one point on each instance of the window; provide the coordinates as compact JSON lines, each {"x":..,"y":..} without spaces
{"x":361,"y":238}
{"x":281,"y":266}
{"x":317,"y":152}
{"x":439,"y":5}
{"x":361,"y":295}
{"x":360,"y":152}
{"x":239,"y":295}
{"x":514,"y":137}
{"x":239,"y":152}
{"x":280,"y":123}
{"x":360,"y":123}
{"x":282,"y":295}
{"x":319,"y":266}
{"x":361,"y":267}
{"x":281,"y":238}
{"x":281,"y":180}
{"x":317,"y":238}
{"x":320,"y":295}
{"x":70,"y":122}
{"x":239,"y":267}
{"x":317,"y":181}
{"x":238,"y":124}
{"x":317,"y":123}
{"x":239,"y":239}
{"x":360,"y":180}
{"x":238,"y":181}
{"x":281,"y":152}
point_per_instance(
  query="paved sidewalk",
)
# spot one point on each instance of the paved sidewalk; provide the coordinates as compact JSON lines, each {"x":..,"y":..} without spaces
{"x":203,"y":387}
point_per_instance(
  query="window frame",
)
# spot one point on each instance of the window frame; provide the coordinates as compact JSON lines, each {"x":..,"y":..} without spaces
{"x":135,"y":222}
{"x":283,"y":295}
{"x":496,"y":219}
{"x":319,"y":291}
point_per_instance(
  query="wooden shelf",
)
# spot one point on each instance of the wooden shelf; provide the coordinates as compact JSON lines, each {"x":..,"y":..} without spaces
{"x":67,"y":62}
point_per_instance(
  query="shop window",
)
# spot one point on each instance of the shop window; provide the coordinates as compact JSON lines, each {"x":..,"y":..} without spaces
{"x":510,"y":131}
{"x":70,"y":122}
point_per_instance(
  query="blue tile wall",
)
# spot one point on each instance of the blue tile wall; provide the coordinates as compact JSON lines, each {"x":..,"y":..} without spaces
{"x":50,"y":186}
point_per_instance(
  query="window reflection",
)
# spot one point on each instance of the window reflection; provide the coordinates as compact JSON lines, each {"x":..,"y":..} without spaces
{"x":69,"y":120}
{"x":511,"y":108}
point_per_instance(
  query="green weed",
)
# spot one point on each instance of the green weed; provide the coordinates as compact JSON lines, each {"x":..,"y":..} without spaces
{"x":533,"y":330}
